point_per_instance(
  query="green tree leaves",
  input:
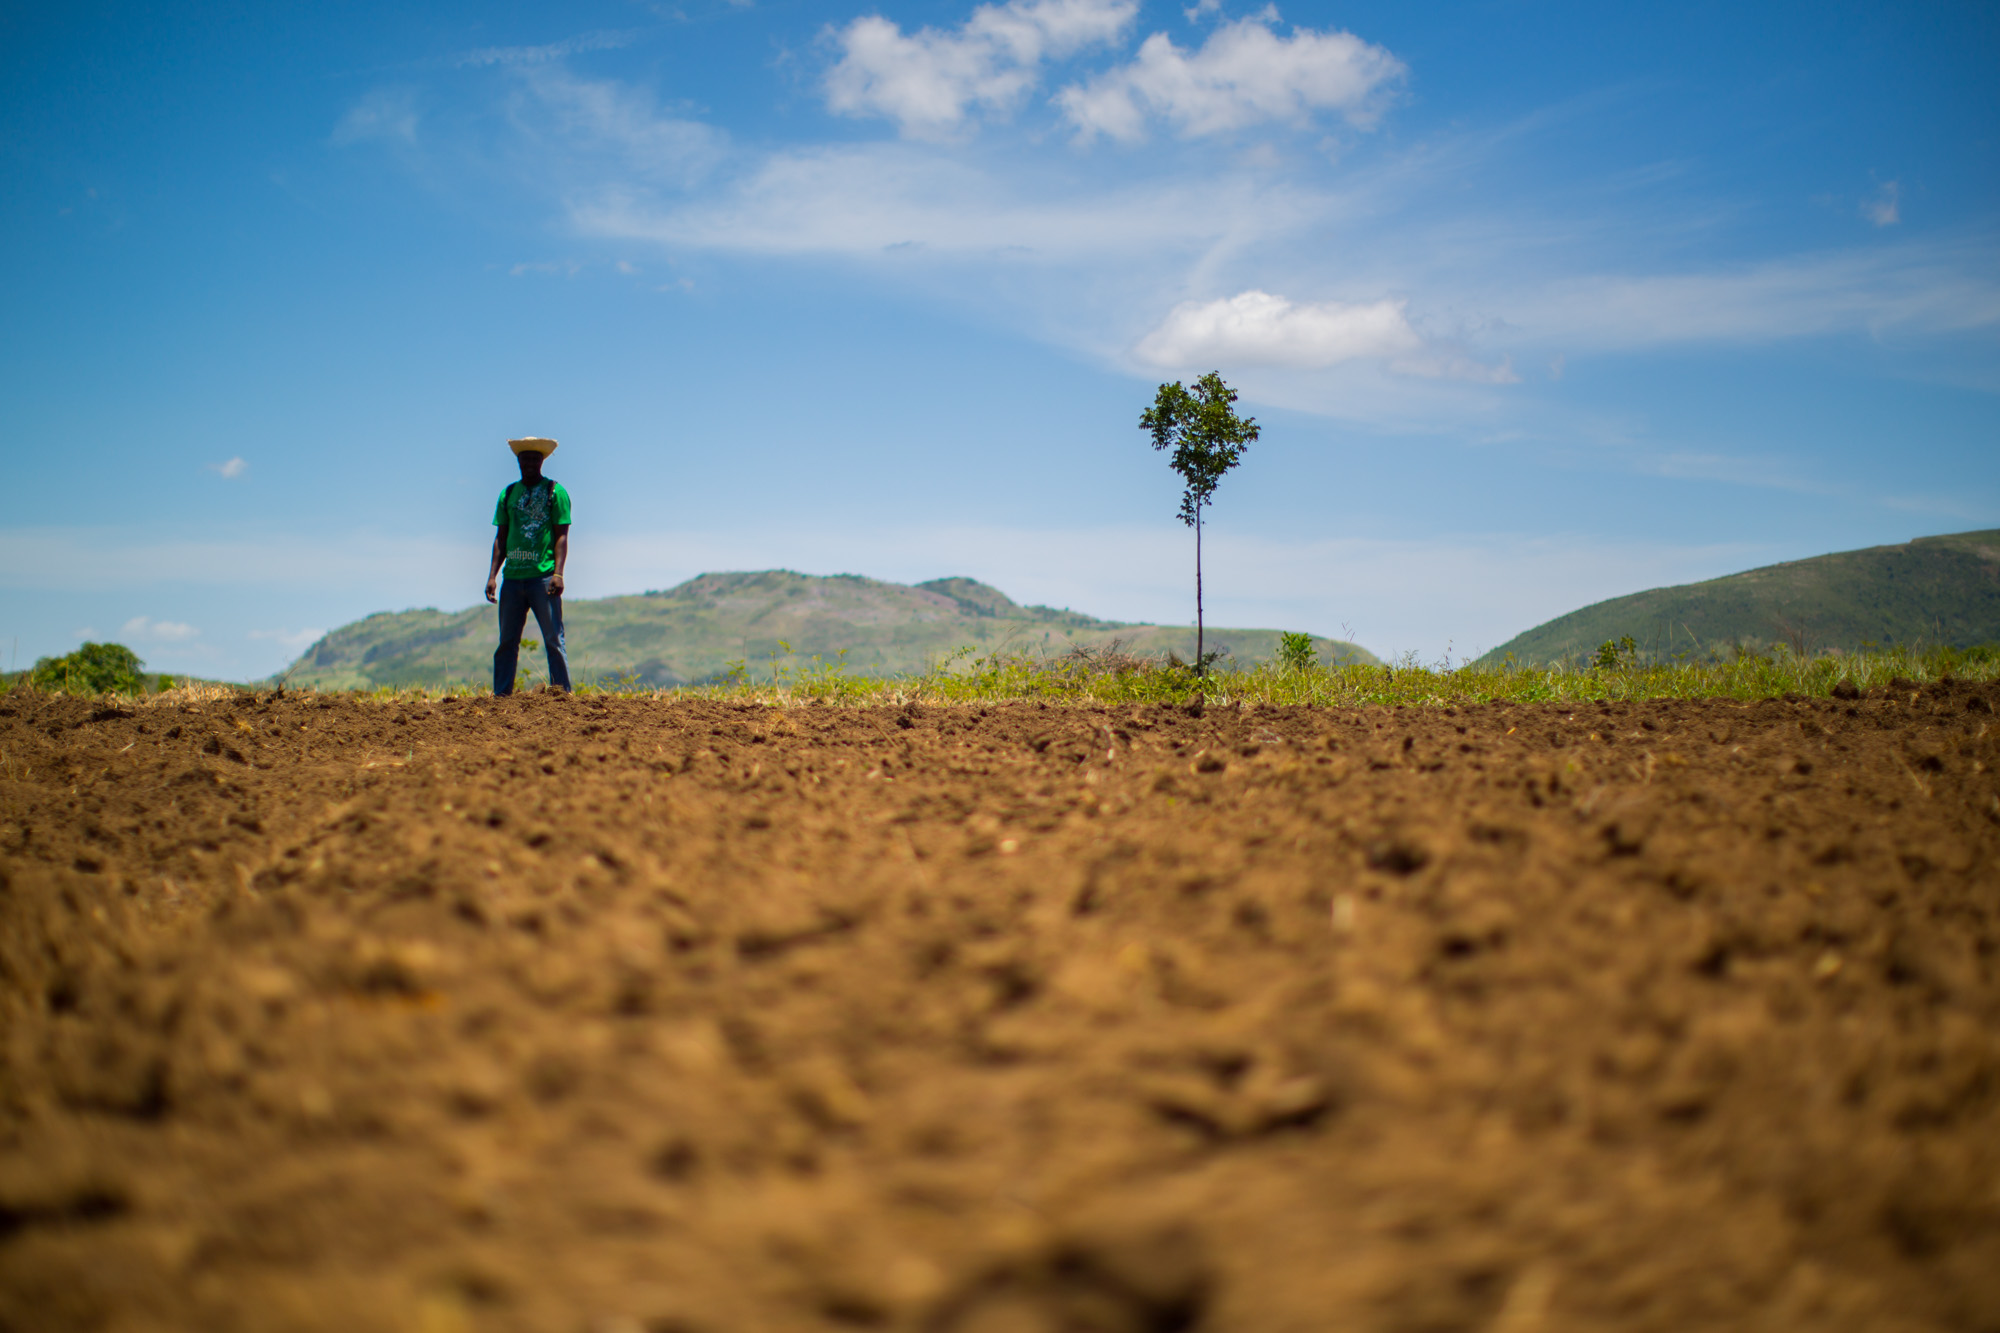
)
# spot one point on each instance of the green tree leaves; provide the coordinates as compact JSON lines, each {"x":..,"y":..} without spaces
{"x":1200,"y":425}
{"x":1296,"y":652}
{"x":95,"y":668}
{"x":1614,"y":656}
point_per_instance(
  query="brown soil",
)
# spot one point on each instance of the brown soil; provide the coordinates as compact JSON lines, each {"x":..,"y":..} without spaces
{"x":620,"y":1016}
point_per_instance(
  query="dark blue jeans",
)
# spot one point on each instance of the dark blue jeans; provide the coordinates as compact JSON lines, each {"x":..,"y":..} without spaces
{"x":517,"y":598}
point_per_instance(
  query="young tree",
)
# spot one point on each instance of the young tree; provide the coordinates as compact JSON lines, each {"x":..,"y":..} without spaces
{"x":1201,"y":426}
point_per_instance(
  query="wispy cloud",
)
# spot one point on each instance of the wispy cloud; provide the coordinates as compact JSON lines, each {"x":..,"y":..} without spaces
{"x":610,"y":129}
{"x":567,"y":268}
{"x":866,"y":200}
{"x":1126,"y":269}
{"x":1245,"y":74}
{"x":1929,"y":287}
{"x":1505,"y":277}
{"x":230,"y":470}
{"x":928,"y":81}
{"x":89,"y":559}
{"x":603,"y":40}
{"x":1362,"y":289}
{"x":146,"y":630}
{"x":294,"y":639}
{"x":1885,"y":207}
{"x":1736,"y":470}
{"x":382,"y":114}
{"x":1964,"y":508}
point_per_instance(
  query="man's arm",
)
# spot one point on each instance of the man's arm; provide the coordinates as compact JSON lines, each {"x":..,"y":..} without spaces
{"x":562,"y":557}
{"x":499,"y":559}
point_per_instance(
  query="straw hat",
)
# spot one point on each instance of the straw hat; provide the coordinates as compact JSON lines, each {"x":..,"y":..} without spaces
{"x":542,"y":446}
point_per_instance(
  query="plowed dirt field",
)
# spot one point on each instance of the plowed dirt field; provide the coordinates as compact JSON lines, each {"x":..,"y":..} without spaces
{"x":632,"y":1016}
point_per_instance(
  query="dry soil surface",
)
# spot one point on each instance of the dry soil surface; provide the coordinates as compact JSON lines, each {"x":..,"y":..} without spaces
{"x":624,"y":1016}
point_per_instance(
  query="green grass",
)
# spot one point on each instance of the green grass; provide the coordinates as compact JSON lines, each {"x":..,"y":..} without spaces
{"x":1087,"y":677}
{"x":1103,"y":678}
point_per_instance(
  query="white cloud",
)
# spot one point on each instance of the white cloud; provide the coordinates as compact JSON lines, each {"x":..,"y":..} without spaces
{"x":293,"y":639}
{"x":1885,"y":209}
{"x":1243,"y":75}
{"x":384,"y":113}
{"x":1080,"y":257}
{"x":231,"y":470}
{"x":157,"y":631}
{"x":1516,"y":281}
{"x":927,"y":80}
{"x":1086,"y":253}
{"x":1255,"y":328}
{"x":543,"y":55}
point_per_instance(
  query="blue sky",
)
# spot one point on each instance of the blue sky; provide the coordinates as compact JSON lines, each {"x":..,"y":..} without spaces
{"x":1537,"y":303}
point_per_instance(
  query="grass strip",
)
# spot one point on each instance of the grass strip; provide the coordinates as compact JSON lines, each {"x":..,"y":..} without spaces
{"x":1109,"y":677}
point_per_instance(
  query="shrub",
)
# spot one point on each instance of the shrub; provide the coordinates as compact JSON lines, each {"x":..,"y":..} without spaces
{"x":1296,"y":653}
{"x":95,"y":668}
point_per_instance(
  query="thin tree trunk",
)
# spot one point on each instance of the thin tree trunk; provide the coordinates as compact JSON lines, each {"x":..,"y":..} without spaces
{"x":1200,"y":664}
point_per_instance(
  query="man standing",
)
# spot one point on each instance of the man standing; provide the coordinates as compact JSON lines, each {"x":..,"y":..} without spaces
{"x":533,"y":544}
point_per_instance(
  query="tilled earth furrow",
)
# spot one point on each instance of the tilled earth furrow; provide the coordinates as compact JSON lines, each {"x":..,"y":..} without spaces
{"x":615,"y":1014}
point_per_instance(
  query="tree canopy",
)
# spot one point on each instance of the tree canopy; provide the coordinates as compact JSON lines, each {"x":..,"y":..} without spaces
{"x":95,"y":668}
{"x":1200,"y":425}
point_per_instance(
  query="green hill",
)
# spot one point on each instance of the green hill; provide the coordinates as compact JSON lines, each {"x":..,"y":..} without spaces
{"x":692,"y":633}
{"x":1934,"y":590}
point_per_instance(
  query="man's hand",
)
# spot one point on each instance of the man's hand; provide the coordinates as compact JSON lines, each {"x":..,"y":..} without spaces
{"x":493,"y":589}
{"x":555,"y":584}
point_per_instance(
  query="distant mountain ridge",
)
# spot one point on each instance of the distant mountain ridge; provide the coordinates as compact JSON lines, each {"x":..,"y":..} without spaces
{"x":1932,"y":590}
{"x":692,"y":633}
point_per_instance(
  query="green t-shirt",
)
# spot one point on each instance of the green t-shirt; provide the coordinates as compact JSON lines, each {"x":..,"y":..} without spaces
{"x":530,"y":518}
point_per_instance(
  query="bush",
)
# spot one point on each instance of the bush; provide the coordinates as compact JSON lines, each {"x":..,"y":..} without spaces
{"x":95,"y":668}
{"x":1296,"y":652}
{"x":1616,"y":656}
